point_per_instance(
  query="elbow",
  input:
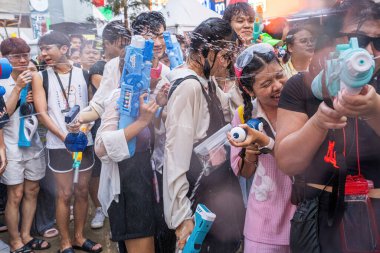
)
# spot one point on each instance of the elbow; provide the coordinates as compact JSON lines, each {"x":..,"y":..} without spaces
{"x":290,"y":164}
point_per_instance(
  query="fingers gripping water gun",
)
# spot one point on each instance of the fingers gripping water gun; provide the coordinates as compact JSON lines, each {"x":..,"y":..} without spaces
{"x":204,"y":219}
{"x":76,"y":142}
{"x":5,"y":72}
{"x":239,"y":134}
{"x":173,"y":50}
{"x":135,"y":80}
{"x":28,"y":123}
{"x":349,"y":68}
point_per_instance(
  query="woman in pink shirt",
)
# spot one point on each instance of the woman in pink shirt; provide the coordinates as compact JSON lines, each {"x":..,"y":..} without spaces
{"x":269,"y":210}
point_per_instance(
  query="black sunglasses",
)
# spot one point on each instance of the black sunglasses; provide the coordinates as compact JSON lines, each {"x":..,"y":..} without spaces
{"x":364,"y":40}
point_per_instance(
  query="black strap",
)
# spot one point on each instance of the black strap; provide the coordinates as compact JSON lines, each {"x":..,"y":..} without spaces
{"x":67,"y":96}
{"x":178,"y":82}
{"x":45,"y":83}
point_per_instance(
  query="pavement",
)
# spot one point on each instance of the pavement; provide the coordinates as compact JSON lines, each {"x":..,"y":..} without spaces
{"x":100,"y":235}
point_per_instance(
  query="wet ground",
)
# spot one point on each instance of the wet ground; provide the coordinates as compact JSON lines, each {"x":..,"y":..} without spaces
{"x":101,"y":236}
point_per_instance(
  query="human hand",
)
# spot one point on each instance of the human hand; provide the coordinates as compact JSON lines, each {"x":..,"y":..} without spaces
{"x":3,"y":159}
{"x":162,"y":95}
{"x":327,"y":118}
{"x":147,"y":111}
{"x":365,"y":104}
{"x":29,"y":97}
{"x":183,"y":231}
{"x":24,"y":78}
{"x":253,"y":136}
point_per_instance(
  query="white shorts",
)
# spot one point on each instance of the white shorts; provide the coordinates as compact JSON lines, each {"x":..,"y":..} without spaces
{"x":16,"y":171}
{"x":257,"y":247}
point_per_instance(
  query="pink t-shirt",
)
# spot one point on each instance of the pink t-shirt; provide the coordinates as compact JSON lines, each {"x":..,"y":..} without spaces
{"x":269,"y":210}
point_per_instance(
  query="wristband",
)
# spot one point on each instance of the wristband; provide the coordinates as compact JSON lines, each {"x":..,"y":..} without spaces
{"x":268,"y":148}
{"x":156,"y":72}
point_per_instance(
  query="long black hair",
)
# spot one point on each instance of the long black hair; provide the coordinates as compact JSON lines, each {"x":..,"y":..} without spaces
{"x":247,"y":79}
{"x":213,"y":34}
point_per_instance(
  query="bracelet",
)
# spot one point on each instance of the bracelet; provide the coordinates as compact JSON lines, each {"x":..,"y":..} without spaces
{"x":251,"y":162}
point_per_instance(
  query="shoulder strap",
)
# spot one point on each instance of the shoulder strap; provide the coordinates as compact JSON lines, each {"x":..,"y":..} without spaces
{"x":86,"y":76}
{"x":45,"y":83}
{"x":179,"y":81}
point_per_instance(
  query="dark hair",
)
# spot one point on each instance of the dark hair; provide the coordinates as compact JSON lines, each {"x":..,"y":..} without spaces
{"x":14,"y":46}
{"x":210,"y":35}
{"x":290,"y":41}
{"x":236,"y":9}
{"x":94,"y":44}
{"x":275,"y":27}
{"x":361,"y":11}
{"x":54,"y":37}
{"x":148,"y":22}
{"x":78,"y":36}
{"x":247,"y":79}
{"x":115,"y":30}
{"x":181,"y":39}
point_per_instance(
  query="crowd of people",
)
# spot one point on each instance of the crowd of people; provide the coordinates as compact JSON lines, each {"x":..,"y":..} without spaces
{"x":262,"y":187}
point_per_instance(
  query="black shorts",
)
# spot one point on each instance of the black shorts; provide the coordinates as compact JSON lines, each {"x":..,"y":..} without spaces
{"x":133,"y":216}
{"x":97,"y":167}
{"x":61,"y":161}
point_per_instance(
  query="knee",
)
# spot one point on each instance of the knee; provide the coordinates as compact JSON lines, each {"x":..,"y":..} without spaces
{"x":64,"y":195}
{"x":15,"y":196}
{"x":81,"y":191}
{"x":32,"y":192}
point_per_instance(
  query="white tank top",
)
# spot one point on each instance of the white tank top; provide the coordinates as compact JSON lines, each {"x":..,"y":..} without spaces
{"x":57,"y":102}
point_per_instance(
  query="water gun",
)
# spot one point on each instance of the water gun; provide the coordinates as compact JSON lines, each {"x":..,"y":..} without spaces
{"x":173,"y":50}
{"x":28,"y":123}
{"x":135,"y":80}
{"x":239,"y":134}
{"x":349,"y":68}
{"x":5,"y":72}
{"x":204,"y":219}
{"x":257,"y":28}
{"x":75,"y":142}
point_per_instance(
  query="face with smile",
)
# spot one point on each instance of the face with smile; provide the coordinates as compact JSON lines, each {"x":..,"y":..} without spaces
{"x":303,"y":44}
{"x":159,"y":42}
{"x":243,"y":26}
{"x":268,"y":85}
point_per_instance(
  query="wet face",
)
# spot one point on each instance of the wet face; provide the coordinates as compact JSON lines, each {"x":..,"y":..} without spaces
{"x":243,"y":26}
{"x":53,"y":54}
{"x":159,"y":42}
{"x":304,"y":44}
{"x":76,"y":43}
{"x":368,"y":35}
{"x":268,"y":84}
{"x":19,"y":61}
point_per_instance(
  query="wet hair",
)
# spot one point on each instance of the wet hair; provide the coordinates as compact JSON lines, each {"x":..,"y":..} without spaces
{"x":276,"y":27}
{"x":361,"y":11}
{"x":115,"y":30}
{"x":236,"y":9}
{"x":14,"y":46}
{"x":148,"y":22}
{"x":54,"y":38}
{"x":213,"y":34}
{"x":247,"y":79}
{"x":290,"y":41}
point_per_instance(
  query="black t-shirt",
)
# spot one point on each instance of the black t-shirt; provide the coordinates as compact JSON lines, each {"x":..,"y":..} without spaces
{"x":297,"y":96}
{"x":97,"y":68}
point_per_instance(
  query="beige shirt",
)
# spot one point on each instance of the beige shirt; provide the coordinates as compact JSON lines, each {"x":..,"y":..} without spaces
{"x":186,"y":124}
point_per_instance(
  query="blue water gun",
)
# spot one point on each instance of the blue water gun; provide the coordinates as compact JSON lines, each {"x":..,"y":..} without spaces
{"x":204,"y":219}
{"x":173,"y":50}
{"x":239,"y":134}
{"x":5,"y":72}
{"x":75,"y":142}
{"x":28,"y":123}
{"x":135,"y":80}
{"x":349,"y":68}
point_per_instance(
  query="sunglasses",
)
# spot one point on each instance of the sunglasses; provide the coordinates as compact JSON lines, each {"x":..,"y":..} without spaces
{"x":364,"y":40}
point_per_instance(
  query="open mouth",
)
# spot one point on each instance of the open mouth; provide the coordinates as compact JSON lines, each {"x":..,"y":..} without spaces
{"x":277,"y":96}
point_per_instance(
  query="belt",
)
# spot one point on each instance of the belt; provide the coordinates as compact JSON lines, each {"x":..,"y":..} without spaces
{"x":373,"y":193}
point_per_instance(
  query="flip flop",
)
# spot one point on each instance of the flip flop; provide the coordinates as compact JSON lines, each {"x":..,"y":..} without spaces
{"x":36,"y":244}
{"x":23,"y":249}
{"x":87,"y":246}
{"x":68,"y":250}
{"x":50,"y":233}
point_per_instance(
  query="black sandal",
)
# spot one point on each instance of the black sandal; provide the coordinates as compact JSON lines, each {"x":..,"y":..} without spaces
{"x":36,"y":244}
{"x":87,"y":246}
{"x":23,"y":249}
{"x":68,"y":250}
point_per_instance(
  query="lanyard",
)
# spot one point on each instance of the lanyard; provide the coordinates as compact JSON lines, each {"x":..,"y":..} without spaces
{"x":67,"y":96}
